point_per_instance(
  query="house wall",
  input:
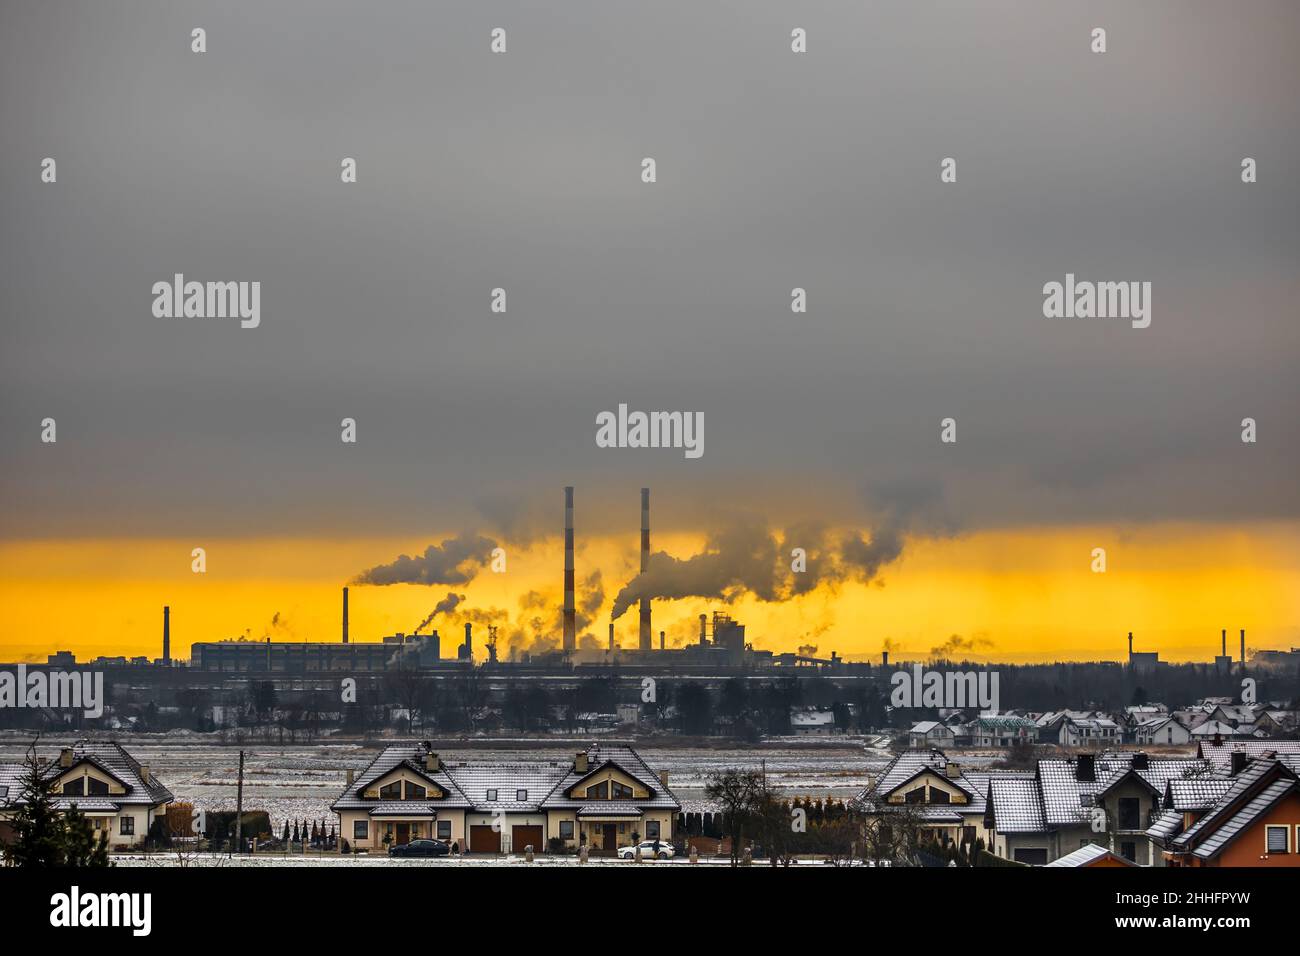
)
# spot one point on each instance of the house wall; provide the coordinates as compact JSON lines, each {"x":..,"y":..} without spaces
{"x":377,"y":827}
{"x":508,"y":822}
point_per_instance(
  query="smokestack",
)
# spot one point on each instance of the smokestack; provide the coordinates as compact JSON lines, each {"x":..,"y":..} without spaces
{"x":661,"y":640}
{"x":645,"y":566}
{"x":1130,"y":644}
{"x":884,"y":658}
{"x":570,"y":616}
{"x":611,"y":635}
{"x":1243,"y":647}
{"x":469,"y":641}
{"x":704,"y":618}
{"x":167,"y":634}
{"x":345,"y":615}
{"x":1224,"y":652}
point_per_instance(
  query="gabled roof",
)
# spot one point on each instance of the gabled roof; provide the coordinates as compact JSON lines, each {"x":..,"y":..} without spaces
{"x":624,"y":758}
{"x":1195,"y":793}
{"x":1015,"y":804}
{"x":1220,"y":755}
{"x":106,"y":756}
{"x":1087,"y":855}
{"x":1166,"y":826}
{"x":409,"y":756}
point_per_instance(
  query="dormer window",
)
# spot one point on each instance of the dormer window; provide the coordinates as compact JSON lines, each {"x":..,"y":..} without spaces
{"x":97,"y":787}
{"x":76,"y":788}
{"x":392,"y":791}
{"x":620,"y":791}
{"x":598,"y":791}
{"x":415,"y":792}
{"x":491,"y":795}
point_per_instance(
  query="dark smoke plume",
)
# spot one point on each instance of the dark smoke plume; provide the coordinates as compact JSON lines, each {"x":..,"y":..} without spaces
{"x":445,"y":606}
{"x":456,"y":561}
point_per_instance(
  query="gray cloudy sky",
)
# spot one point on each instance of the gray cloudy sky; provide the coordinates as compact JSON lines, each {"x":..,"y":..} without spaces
{"x":522,"y":171}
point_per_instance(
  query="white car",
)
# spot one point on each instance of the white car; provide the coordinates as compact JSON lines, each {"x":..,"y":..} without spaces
{"x":666,"y":851}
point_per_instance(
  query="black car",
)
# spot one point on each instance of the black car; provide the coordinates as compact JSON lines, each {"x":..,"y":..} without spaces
{"x":420,"y":848}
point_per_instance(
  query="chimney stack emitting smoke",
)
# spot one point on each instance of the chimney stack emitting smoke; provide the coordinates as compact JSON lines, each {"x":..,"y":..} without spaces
{"x":570,"y":614}
{"x":468,"y":647}
{"x":645,"y":641}
{"x":345,"y":615}
{"x":167,"y":634}
{"x":611,"y":635}
{"x":704,"y":620}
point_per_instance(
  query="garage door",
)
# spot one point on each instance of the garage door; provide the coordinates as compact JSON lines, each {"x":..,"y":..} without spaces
{"x":521,"y":837}
{"x":484,"y":840}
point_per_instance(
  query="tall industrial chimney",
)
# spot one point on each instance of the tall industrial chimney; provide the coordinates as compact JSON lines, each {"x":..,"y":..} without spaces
{"x":1224,"y":652}
{"x":611,"y":635}
{"x":661,"y":640}
{"x":1130,"y":645}
{"x":645,"y":566}
{"x":704,"y":620}
{"x":167,"y":634}
{"x":570,"y":615}
{"x":469,"y":641}
{"x":1243,"y":647}
{"x":345,"y":615}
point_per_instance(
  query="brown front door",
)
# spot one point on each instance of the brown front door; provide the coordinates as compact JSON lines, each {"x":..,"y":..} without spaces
{"x":611,"y":837}
{"x":403,"y":833}
{"x":523,"y":837}
{"x":483,"y":839}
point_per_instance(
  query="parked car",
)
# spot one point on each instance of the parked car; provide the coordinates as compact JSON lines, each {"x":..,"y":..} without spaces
{"x":420,"y":848}
{"x":665,"y":852}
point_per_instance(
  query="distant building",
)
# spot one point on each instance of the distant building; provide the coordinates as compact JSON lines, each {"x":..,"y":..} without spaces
{"x":1161,"y":730}
{"x":812,"y":723}
{"x":929,"y":733}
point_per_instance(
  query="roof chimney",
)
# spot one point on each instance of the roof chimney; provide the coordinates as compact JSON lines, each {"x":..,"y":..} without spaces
{"x":352,"y":776}
{"x":167,"y":634}
{"x":1239,"y":761}
{"x":65,"y":757}
{"x":144,"y":773}
{"x":580,"y":762}
{"x":431,"y":762}
{"x":1084,"y":768}
{"x":570,"y":614}
{"x":345,"y":615}
{"x":1140,"y":761}
{"x":663,"y":779}
{"x":645,"y":639}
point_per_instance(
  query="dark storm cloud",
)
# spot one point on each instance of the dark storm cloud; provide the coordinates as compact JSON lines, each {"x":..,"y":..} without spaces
{"x":775,"y":171}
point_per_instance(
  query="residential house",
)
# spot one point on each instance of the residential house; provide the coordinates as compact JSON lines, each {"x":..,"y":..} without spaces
{"x":1065,"y":804}
{"x":929,"y":733}
{"x":1219,"y":753}
{"x":1096,"y":731}
{"x":943,"y":797}
{"x":1215,"y":729}
{"x":1002,"y":730}
{"x":810,"y":722}
{"x":1164,"y":730}
{"x":603,"y":799}
{"x":1253,"y":821}
{"x":120,"y":796}
{"x":1092,"y":856}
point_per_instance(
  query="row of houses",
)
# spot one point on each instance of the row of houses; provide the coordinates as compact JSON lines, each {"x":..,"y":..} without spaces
{"x":1146,"y":725}
{"x":1233,"y":804}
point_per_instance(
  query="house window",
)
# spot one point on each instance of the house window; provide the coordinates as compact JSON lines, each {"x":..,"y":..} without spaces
{"x":620,"y":791}
{"x":444,"y":829}
{"x":391,"y":792}
{"x":76,"y":788}
{"x":521,"y":796}
{"x":622,"y":828}
{"x":652,"y":829}
{"x":415,"y":792}
{"x":916,"y":796}
{"x":491,"y":795}
{"x":939,"y":796}
{"x":360,"y":829}
{"x":566,"y":829}
{"x":126,"y":826}
{"x":1128,"y":851}
{"x":598,"y":791}
{"x":96,"y":787}
{"x":1276,"y":839}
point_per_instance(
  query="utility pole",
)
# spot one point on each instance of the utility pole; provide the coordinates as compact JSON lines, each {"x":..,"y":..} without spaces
{"x":239,"y":808}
